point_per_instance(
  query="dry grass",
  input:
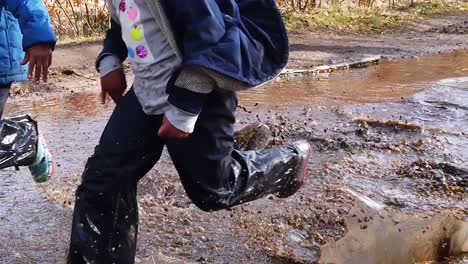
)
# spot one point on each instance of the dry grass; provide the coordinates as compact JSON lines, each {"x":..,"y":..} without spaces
{"x":78,"y":21}
{"x":367,"y":19}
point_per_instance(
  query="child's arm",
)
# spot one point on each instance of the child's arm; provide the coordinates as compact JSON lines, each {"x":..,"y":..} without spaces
{"x":113,"y":45}
{"x":34,"y":22}
{"x":189,"y":87}
{"x":38,"y":35}
{"x":109,"y":64}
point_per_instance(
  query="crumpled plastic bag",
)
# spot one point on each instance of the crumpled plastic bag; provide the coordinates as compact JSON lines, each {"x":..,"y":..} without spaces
{"x":18,"y":141}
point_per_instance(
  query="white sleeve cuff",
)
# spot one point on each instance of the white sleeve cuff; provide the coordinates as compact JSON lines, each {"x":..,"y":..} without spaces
{"x":181,"y":120}
{"x":109,"y":64}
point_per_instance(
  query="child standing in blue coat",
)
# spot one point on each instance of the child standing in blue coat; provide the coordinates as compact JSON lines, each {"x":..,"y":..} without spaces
{"x":26,"y":44}
{"x":189,"y":58}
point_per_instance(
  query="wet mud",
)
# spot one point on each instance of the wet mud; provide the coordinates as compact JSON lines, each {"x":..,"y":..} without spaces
{"x":396,"y":143}
{"x":457,"y":28}
{"x":380,"y":235}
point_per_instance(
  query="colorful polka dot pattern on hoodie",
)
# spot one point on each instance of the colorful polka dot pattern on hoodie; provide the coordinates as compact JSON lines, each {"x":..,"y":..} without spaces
{"x":133,"y":32}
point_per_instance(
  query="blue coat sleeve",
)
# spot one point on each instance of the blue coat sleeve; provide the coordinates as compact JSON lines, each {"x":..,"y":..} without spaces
{"x":113,"y":44}
{"x":34,"y":21}
{"x":199,"y":22}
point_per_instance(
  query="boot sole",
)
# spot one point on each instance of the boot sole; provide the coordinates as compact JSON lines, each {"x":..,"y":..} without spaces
{"x":300,"y":179}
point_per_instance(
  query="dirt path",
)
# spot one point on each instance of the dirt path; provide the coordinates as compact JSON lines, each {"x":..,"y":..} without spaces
{"x":415,"y":40}
{"x":416,"y":171}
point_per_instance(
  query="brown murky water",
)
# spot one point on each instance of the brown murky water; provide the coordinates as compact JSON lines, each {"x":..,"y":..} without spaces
{"x":382,"y":235}
{"x":435,"y":95}
{"x":386,"y":82}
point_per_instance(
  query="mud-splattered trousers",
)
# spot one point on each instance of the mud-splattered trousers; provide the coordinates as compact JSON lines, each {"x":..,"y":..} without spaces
{"x":214,"y":175}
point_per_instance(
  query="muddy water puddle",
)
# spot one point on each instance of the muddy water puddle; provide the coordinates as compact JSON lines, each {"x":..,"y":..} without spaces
{"x":72,"y":106}
{"x":420,"y":172}
{"x":387,"y":81}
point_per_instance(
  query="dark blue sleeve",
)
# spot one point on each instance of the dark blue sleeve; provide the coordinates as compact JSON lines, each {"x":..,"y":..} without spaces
{"x":34,"y":21}
{"x":113,"y":44}
{"x":199,"y":23}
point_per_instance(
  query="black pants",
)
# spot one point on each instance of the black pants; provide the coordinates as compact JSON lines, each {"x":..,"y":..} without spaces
{"x":130,"y":147}
{"x":214,"y":175}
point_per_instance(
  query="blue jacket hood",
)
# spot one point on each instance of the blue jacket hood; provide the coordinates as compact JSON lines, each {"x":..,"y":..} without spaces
{"x":243,"y":39}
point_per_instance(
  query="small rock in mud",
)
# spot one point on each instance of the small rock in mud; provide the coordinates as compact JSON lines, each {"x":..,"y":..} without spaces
{"x":256,"y":136}
{"x":68,"y":72}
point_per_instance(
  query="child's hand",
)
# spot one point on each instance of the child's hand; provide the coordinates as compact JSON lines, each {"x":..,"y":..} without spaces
{"x":168,"y":131}
{"x":39,"y":58}
{"x":113,"y":84}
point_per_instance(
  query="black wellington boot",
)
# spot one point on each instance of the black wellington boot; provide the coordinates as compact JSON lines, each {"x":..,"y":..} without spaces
{"x":19,"y":141}
{"x":104,"y":228}
{"x":280,"y":171}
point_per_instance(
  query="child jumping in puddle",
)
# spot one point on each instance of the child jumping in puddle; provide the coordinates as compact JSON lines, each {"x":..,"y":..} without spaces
{"x":189,"y":59}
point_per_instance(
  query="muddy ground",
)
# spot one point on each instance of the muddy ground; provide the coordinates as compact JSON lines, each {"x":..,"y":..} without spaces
{"x":439,"y":34}
{"x":415,"y":165}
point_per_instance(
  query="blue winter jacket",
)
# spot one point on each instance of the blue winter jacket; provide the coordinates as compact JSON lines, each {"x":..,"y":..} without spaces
{"x":23,"y":23}
{"x":243,"y":39}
